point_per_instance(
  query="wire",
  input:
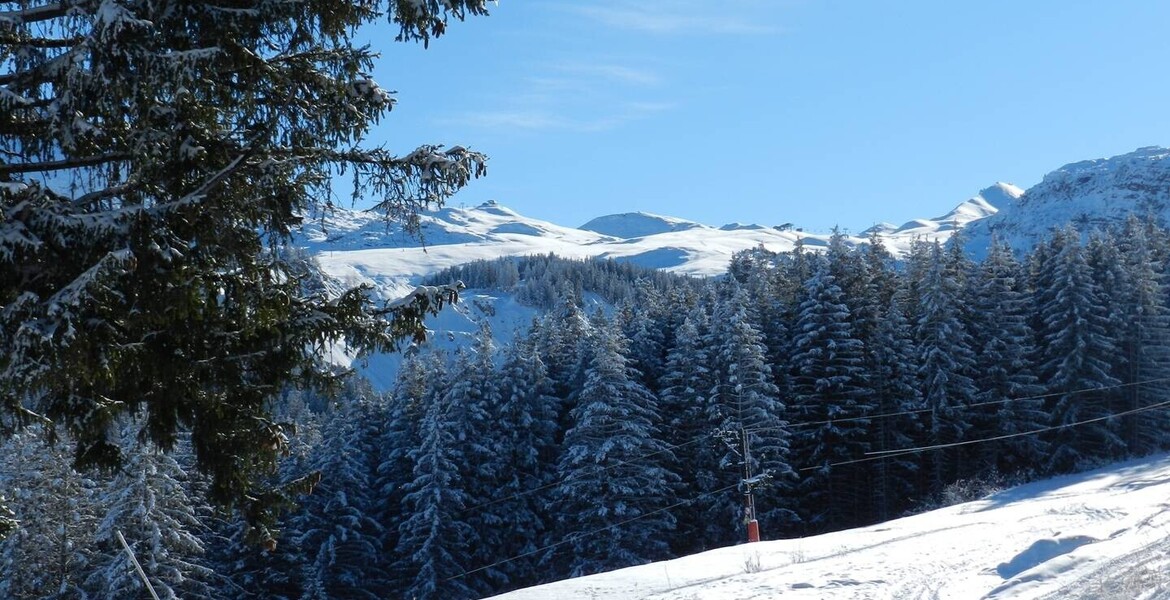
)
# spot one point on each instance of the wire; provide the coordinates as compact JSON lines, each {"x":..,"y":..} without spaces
{"x":1126,"y":413}
{"x":917,"y":411}
{"x":578,"y":535}
{"x":594,"y":469}
{"x":882,"y":454}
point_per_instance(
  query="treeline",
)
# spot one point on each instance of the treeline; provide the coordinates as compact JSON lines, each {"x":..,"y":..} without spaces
{"x":543,"y":281}
{"x":597,"y":441}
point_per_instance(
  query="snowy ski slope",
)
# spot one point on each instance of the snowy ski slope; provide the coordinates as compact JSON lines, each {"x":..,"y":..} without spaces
{"x":1101,"y":535}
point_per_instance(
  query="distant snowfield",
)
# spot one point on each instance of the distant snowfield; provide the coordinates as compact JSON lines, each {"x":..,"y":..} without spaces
{"x":1101,"y":535}
{"x":358,"y":247}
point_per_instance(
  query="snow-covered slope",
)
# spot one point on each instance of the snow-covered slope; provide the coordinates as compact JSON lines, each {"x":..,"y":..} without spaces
{"x":1089,"y":193}
{"x":357,"y":247}
{"x":1102,"y":535}
{"x":637,"y":224}
{"x":984,"y":204}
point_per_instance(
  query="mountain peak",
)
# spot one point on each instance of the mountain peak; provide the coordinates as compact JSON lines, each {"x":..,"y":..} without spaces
{"x":1001,"y":194}
{"x":636,"y":225}
{"x":1092,"y":193}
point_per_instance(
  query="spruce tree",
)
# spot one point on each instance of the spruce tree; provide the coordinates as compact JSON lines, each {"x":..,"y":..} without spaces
{"x":48,"y":555}
{"x":473,"y":406}
{"x":1145,"y":340}
{"x":1075,"y":346}
{"x":150,"y":502}
{"x":612,"y":469}
{"x":946,"y":364}
{"x":829,"y":384}
{"x":413,"y":392}
{"x":897,"y":402}
{"x":690,"y":426}
{"x":1007,"y":383}
{"x":525,"y":433}
{"x":341,"y":535}
{"x":154,"y":159}
{"x":435,"y":544}
{"x":746,"y":401}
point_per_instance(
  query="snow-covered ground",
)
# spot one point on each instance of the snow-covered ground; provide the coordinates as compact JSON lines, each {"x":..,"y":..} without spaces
{"x":358,"y":247}
{"x":1102,"y":535}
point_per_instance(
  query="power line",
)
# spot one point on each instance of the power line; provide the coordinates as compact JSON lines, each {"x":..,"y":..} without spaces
{"x":882,"y":454}
{"x":917,"y":411}
{"x":1126,"y":413}
{"x":595,"y":469}
{"x":578,"y":535}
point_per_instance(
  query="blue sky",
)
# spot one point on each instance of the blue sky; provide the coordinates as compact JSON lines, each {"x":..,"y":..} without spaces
{"x":816,"y":112}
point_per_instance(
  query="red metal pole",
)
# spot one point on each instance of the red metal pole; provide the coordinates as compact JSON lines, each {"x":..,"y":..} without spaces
{"x":753,"y":530}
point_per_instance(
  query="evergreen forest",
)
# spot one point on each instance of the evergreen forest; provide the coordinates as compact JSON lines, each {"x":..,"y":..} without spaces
{"x":611,"y":431}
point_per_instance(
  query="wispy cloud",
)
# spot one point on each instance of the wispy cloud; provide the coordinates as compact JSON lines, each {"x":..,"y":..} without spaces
{"x":536,"y":118}
{"x":679,"y":16}
{"x":612,"y":72}
{"x":575,"y":96}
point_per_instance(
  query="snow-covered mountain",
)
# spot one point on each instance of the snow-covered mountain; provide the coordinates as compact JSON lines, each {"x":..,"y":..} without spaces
{"x":636,"y":225}
{"x":1090,"y":194}
{"x":984,"y":204}
{"x":1101,"y":535}
{"x":356,"y":246}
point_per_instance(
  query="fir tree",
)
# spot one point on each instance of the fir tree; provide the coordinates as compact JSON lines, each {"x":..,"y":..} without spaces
{"x":435,"y":543}
{"x":48,"y":555}
{"x":341,"y":535}
{"x":946,"y":364}
{"x":1145,"y":340}
{"x":150,"y":503}
{"x":525,"y":431}
{"x":746,"y":401}
{"x":414,"y":390}
{"x":897,"y":402}
{"x":612,"y":468}
{"x":1007,"y":384}
{"x":156,"y":157}
{"x":689,"y":426}
{"x":473,"y":406}
{"x":828,"y":384}
{"x":1075,"y":344}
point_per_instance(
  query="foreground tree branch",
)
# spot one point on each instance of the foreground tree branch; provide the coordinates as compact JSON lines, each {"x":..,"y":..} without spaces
{"x":155,"y":159}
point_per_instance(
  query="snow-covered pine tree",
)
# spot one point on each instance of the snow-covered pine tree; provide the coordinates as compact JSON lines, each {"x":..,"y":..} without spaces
{"x":891,"y":372}
{"x":473,"y":408}
{"x":612,"y":469}
{"x":406,"y":406}
{"x":340,"y":532}
{"x":525,"y":431}
{"x":946,"y":362}
{"x":274,"y":571}
{"x":155,"y":158}
{"x":559,"y":336}
{"x":1145,"y":338}
{"x":1004,"y":364}
{"x":828,"y":383}
{"x":745,"y":399}
{"x":893,"y":376}
{"x":50,"y":553}
{"x":1075,"y":346}
{"x":689,"y":426}
{"x":149,"y":501}
{"x":643,"y":319}
{"x":435,"y":544}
